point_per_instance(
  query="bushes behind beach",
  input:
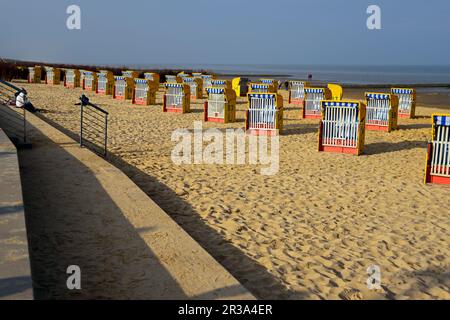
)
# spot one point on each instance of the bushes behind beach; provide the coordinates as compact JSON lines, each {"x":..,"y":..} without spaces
{"x":12,"y":69}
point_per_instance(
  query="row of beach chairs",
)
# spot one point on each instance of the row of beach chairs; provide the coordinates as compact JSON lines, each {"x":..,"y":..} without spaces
{"x":342,"y":122}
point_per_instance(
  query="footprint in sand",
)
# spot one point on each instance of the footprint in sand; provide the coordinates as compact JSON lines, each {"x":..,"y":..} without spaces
{"x":351,"y":294}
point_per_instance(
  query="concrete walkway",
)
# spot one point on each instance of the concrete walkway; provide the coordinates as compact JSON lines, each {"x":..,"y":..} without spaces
{"x":15,"y":276}
{"x":83,"y":211}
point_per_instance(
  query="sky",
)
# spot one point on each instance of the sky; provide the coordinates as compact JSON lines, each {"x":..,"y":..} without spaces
{"x":196,"y":32}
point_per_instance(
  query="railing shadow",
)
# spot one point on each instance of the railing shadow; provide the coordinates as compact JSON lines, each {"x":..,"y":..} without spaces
{"x":83,"y":226}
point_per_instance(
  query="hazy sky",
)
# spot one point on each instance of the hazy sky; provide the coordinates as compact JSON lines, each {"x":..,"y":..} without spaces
{"x":176,"y":32}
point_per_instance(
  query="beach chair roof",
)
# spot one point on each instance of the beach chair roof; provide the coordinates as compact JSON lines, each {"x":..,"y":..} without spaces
{"x":441,"y":120}
{"x":378,"y":96}
{"x":174,"y":85}
{"x":260,"y":85}
{"x":314,"y":90}
{"x":262,"y":95}
{"x":218,"y":81}
{"x":349,"y":104}
{"x":189,"y":79}
{"x":402,"y":91}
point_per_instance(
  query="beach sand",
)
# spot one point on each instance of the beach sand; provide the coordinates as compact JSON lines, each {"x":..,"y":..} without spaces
{"x":308,"y":232}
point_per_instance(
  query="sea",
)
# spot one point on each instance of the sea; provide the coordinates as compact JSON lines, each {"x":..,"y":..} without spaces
{"x":347,"y":75}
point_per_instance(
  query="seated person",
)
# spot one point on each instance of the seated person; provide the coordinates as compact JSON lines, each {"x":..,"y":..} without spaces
{"x":23,"y":102}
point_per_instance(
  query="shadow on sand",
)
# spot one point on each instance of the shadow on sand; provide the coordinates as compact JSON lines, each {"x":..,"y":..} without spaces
{"x":414,"y":126}
{"x":11,"y":286}
{"x":386,"y":147}
{"x":86,"y":228}
{"x":207,"y":237}
{"x":296,"y":129}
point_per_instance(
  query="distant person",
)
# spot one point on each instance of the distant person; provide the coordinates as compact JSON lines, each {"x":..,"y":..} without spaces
{"x":310,"y":76}
{"x":23,"y":102}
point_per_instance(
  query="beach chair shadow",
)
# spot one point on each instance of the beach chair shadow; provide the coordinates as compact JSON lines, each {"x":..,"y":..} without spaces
{"x":297,"y":129}
{"x":386,"y":147}
{"x":414,"y":126}
{"x":430,"y":278}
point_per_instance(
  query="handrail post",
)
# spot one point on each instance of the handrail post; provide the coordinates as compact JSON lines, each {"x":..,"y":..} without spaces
{"x":24,"y":125}
{"x":106,"y":134}
{"x":81,"y":125}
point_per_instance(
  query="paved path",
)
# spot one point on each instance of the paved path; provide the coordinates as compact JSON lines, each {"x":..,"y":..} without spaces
{"x":15,"y":276}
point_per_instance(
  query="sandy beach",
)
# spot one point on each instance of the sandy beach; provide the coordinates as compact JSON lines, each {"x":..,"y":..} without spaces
{"x":308,"y":232}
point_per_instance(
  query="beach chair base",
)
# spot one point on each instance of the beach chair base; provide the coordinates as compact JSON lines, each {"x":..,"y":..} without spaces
{"x":376,"y":127}
{"x":315,"y":115}
{"x":438,"y":180}
{"x":312,"y":116}
{"x":119,"y":97}
{"x":297,"y":102}
{"x":173,"y":109}
{"x":141,"y":102}
{"x":338,"y":149}
{"x":262,"y":132}
{"x":405,"y":116}
{"x":218,"y":120}
{"x":430,"y":178}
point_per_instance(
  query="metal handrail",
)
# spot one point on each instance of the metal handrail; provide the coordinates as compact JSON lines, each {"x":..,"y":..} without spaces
{"x":6,"y":83}
{"x":87,"y":136}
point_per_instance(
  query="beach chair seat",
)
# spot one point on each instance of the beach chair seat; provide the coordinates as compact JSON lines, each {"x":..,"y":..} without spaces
{"x":195,"y":86}
{"x":312,"y":103}
{"x":265,"y":114}
{"x":438,"y":151}
{"x":144,"y":92}
{"x":177,"y":98}
{"x":123,"y":88}
{"x":297,"y":92}
{"x":342,"y":128}
{"x":220,"y":105}
{"x":381,"y":111}
{"x":406,"y":102}
{"x":72,"y":78}
{"x":52,"y":75}
{"x":105,"y":82}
